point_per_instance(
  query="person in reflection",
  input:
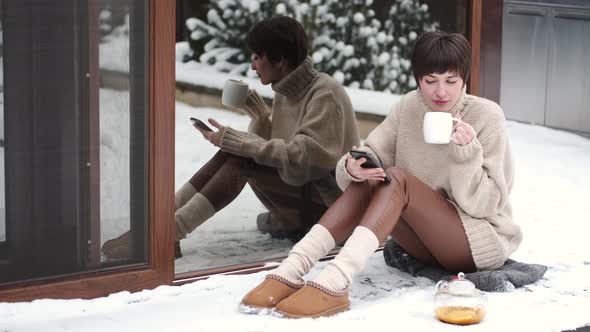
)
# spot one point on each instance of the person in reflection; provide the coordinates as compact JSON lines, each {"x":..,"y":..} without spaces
{"x":447,"y":204}
{"x":289,"y":152}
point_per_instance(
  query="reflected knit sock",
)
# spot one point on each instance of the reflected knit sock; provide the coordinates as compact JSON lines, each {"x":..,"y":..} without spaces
{"x":195,"y":212}
{"x":183,"y":195}
{"x":337,"y":275}
{"x":305,"y":254}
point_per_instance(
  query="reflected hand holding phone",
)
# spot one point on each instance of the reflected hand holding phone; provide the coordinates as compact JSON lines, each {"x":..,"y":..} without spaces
{"x":200,"y":124}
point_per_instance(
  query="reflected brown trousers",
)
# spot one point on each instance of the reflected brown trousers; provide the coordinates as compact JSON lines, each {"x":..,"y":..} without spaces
{"x":418,"y":218}
{"x":223,"y":177}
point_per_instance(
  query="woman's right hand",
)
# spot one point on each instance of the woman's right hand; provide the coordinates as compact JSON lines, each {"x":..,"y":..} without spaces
{"x":353,"y":167}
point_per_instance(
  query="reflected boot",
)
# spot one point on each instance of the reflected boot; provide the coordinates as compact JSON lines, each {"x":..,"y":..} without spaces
{"x":267,"y":222}
{"x":181,"y":197}
{"x":288,"y":277}
{"x":177,"y":250}
{"x":119,"y":248}
{"x":193,"y":213}
{"x":327,"y":294}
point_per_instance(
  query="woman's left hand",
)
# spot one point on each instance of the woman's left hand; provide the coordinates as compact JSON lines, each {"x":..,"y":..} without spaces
{"x":463,"y":133}
{"x":213,"y":136}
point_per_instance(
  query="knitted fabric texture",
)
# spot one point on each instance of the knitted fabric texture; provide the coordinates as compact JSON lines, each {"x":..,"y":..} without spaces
{"x":337,"y":275}
{"x":183,"y":195}
{"x":476,"y":177}
{"x":195,"y":212}
{"x":255,"y":106}
{"x":305,"y":254}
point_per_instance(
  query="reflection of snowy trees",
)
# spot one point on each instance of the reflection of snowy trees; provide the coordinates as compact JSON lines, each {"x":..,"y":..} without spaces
{"x":347,"y":40}
{"x":221,"y":41}
{"x":114,"y":17}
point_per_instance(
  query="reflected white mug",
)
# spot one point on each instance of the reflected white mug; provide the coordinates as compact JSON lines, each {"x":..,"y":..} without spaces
{"x":438,"y":127}
{"x":234,"y":93}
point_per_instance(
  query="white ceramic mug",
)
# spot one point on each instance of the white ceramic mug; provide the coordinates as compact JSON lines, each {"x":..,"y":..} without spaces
{"x":438,"y":127}
{"x":234,"y":93}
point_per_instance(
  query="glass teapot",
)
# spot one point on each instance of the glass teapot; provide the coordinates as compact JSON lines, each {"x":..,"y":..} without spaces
{"x":459,"y":302}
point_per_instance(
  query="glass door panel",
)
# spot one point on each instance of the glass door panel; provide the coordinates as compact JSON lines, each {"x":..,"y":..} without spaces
{"x":232,"y":238}
{"x":75,"y":148}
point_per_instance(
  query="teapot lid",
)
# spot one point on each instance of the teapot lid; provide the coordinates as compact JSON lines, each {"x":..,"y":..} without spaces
{"x":461,"y":286}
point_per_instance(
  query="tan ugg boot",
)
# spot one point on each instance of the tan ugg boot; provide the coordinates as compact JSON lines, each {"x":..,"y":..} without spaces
{"x":313,"y":300}
{"x":287,"y":278}
{"x":268,"y":294}
{"x":327,"y":294}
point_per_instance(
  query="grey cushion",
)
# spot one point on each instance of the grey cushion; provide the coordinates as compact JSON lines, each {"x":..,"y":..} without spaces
{"x":511,"y":275}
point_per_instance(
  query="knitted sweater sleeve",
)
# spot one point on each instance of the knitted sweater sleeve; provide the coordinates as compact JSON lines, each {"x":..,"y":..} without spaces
{"x":313,"y":151}
{"x":481,"y":171}
{"x":259,"y":113}
{"x":380,"y":143}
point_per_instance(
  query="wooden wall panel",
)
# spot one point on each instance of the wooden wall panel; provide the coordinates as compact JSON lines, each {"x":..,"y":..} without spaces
{"x":475,"y":39}
{"x":491,"y":49}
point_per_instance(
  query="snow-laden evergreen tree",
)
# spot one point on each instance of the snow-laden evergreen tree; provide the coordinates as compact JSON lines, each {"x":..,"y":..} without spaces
{"x":223,"y":36}
{"x":361,"y":51}
{"x":347,"y":40}
{"x":407,"y":20}
{"x":113,"y":18}
{"x":340,"y":31}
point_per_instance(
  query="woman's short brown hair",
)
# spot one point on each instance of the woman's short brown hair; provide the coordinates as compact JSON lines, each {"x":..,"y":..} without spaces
{"x":439,"y":52}
{"x":279,"y":37}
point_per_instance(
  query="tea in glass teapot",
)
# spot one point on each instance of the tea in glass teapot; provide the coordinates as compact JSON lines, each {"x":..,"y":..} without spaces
{"x":459,"y":302}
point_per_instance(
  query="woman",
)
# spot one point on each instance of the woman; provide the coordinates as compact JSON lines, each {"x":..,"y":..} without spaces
{"x":447,"y":204}
{"x":288,"y":154}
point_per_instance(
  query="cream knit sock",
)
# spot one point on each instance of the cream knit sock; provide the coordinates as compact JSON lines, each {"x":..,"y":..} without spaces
{"x":308,"y":251}
{"x":195,"y":212}
{"x":184,"y":194}
{"x":337,"y":275}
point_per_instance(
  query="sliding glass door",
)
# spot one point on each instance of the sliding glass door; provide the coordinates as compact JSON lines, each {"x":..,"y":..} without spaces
{"x":77,"y":152}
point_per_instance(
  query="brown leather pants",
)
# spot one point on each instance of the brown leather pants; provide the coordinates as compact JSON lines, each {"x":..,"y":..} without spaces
{"x":418,"y":218}
{"x":223,"y":177}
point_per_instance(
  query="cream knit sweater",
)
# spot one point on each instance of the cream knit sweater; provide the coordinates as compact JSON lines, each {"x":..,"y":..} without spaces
{"x":477,"y":177}
{"x":311,"y":125}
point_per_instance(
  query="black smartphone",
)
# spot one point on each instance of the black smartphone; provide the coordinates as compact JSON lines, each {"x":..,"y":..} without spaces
{"x":200,"y":124}
{"x":370,"y":162}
